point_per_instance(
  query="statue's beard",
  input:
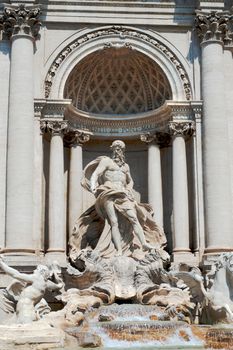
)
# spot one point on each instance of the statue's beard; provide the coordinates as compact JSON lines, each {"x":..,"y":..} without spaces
{"x":118,"y":158}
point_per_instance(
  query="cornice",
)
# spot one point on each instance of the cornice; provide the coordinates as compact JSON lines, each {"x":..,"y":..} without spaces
{"x":105,"y":125}
{"x":135,"y":124}
{"x":162,"y":7}
{"x":52,"y":109}
{"x":81,"y":124}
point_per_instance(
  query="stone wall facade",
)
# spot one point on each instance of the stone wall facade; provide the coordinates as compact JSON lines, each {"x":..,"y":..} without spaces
{"x":76,"y":75}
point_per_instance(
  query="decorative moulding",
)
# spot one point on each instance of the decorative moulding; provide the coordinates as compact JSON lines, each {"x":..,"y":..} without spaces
{"x":122,"y":33}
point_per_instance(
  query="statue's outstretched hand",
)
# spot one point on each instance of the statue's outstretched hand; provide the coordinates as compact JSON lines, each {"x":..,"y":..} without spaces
{"x":1,"y":258}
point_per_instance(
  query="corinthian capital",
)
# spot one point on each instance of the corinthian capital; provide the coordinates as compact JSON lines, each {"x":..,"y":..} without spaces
{"x":213,"y":25}
{"x":77,"y":137}
{"x":20,"y":20}
{"x":181,"y":128}
{"x":162,"y":139}
{"x":57,"y":127}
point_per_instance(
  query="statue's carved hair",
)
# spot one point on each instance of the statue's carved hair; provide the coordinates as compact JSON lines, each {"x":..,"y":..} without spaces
{"x":44,"y":270}
{"x":118,"y":143}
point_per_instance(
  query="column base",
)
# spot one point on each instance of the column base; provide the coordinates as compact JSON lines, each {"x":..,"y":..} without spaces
{"x":19,"y":251}
{"x":58,"y":256}
{"x":217,"y":250}
{"x":22,"y":257}
{"x":181,"y":250}
{"x":184,"y":256}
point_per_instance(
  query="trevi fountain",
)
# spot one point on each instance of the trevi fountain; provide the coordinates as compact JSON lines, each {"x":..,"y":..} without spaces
{"x":119,"y":288}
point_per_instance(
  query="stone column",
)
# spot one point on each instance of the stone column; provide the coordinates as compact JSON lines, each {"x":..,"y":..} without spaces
{"x":39,"y":129}
{"x":181,"y":242}
{"x":22,"y":25}
{"x":4,"y":90}
{"x":155,"y":193}
{"x":212,"y":30}
{"x":57,"y":236}
{"x":75,"y":176}
{"x":228,"y":78}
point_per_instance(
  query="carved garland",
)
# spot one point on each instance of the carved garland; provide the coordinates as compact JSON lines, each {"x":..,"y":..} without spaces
{"x":122,"y":33}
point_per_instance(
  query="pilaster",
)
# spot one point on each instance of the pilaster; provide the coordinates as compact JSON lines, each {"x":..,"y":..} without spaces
{"x":199,"y":228}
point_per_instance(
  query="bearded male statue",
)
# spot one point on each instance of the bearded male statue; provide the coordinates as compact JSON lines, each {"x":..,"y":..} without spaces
{"x":116,"y":224}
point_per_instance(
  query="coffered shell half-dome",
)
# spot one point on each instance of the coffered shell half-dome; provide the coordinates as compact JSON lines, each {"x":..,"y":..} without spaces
{"x":117,"y":81}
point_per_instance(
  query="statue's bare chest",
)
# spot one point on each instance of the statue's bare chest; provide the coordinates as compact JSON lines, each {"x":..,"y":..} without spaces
{"x":115,"y":173}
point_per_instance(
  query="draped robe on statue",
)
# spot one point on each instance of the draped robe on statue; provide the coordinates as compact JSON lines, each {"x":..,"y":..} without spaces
{"x":92,"y":229}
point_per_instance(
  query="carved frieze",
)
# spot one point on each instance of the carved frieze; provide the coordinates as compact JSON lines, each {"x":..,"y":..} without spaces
{"x":213,"y":25}
{"x":123,"y":33}
{"x":181,"y":128}
{"x":20,"y":20}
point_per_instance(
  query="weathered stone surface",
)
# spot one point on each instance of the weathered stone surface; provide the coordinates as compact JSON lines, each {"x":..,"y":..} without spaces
{"x":105,"y":318}
{"x":36,"y":333}
{"x":85,"y":339}
{"x":23,"y":298}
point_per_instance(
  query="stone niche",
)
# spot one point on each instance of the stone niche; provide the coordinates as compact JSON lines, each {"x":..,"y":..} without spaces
{"x":117,"y":81}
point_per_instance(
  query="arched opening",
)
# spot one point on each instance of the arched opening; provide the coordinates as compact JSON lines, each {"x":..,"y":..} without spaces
{"x":117,"y":81}
{"x":118,"y":84}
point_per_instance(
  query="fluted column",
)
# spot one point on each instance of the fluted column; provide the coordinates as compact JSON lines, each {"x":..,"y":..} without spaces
{"x":57,"y":236}
{"x":212,"y":29}
{"x":75,"y":176}
{"x":22,"y":25}
{"x":155,"y":193}
{"x":179,"y":130}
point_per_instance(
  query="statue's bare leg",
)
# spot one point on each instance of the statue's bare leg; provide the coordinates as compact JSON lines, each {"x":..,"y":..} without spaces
{"x":112,"y":217}
{"x":132,"y":217}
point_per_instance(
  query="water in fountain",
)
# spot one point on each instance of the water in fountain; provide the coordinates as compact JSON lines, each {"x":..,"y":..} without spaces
{"x":130,"y":326}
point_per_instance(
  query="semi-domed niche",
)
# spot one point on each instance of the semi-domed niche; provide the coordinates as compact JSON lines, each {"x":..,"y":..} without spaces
{"x":117,"y":81}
